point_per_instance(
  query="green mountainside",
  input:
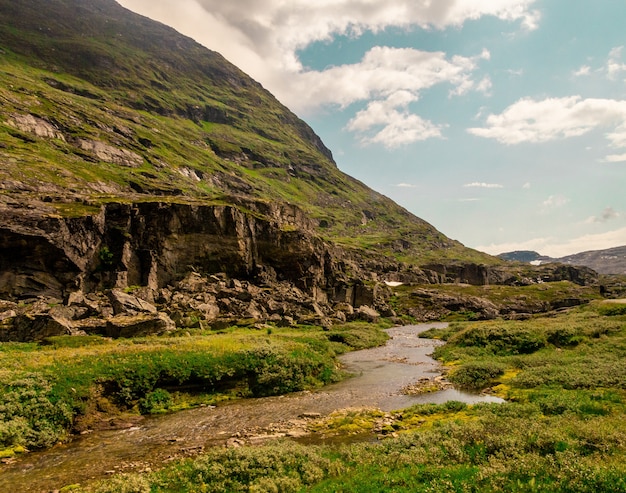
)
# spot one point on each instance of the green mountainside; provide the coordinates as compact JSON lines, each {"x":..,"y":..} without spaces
{"x":101,"y":105}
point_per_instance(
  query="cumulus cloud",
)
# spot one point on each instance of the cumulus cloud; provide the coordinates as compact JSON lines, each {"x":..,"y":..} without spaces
{"x":406,"y":185}
{"x":533,"y":121}
{"x":264,"y":39}
{"x":382,"y":73}
{"x":390,"y":123}
{"x":390,"y":80}
{"x":482,"y":185}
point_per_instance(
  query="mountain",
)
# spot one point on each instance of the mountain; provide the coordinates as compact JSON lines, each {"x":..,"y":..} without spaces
{"x":609,"y":261}
{"x":104,"y":104}
{"x":145,"y":174}
{"x":526,"y":256}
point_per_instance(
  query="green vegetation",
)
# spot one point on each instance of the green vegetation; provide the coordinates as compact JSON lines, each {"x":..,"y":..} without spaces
{"x":562,"y":429}
{"x":532,"y":298}
{"x":196,"y":128}
{"x":70,"y":382}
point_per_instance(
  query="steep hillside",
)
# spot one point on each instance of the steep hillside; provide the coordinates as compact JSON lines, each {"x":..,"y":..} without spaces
{"x":100,"y":104}
{"x":148,"y":184}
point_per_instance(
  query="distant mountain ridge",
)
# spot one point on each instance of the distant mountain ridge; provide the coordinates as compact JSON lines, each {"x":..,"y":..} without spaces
{"x":608,"y":261}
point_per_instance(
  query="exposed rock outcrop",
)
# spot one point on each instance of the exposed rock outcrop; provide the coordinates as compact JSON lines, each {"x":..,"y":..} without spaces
{"x":148,"y":267}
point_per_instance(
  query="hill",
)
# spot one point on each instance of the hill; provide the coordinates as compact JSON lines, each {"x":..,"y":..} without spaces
{"x":608,"y":261}
{"x":145,"y":176}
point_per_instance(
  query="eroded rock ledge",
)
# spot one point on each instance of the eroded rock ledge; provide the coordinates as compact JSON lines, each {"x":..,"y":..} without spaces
{"x":123,"y":269}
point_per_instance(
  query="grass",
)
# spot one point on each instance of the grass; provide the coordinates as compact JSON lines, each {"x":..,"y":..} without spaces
{"x":562,"y":429}
{"x":533,"y":298}
{"x":69,"y":383}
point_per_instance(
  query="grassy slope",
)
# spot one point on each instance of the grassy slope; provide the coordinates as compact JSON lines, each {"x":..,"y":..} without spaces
{"x":204,"y":130}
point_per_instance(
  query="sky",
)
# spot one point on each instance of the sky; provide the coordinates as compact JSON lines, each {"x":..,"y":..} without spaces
{"x":500,"y":122}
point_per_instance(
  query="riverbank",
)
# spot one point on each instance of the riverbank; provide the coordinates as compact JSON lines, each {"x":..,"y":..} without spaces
{"x":75,"y":385}
{"x":563,"y":429}
{"x":380,"y":375}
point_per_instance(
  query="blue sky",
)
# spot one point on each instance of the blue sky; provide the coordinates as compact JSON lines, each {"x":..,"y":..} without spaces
{"x":500,"y":122}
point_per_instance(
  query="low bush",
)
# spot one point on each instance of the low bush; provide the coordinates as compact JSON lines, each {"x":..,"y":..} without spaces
{"x":499,"y":339}
{"x":612,"y":309}
{"x":476,"y":376}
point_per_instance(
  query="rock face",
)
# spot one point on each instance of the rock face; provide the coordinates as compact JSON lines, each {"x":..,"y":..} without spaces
{"x":149,"y":267}
{"x":146,"y":268}
{"x":151,"y":244}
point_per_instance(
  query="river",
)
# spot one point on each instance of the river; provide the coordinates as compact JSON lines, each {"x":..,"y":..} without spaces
{"x":380,"y":375}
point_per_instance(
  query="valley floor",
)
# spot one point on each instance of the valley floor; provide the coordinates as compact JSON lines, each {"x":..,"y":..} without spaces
{"x":562,"y":429}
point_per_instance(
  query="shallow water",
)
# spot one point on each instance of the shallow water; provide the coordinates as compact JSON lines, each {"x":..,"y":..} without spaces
{"x":380,"y":374}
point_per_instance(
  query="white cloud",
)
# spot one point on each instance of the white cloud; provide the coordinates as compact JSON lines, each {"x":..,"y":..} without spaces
{"x":382,"y":72}
{"x":551,"y":247}
{"x":555,"y":202}
{"x":515,"y":73}
{"x":583,"y":71}
{"x":526,"y":186}
{"x":615,"y":66}
{"x":264,"y":38}
{"x":615,"y":158}
{"x":485,"y":86}
{"x":406,"y":185}
{"x":276,"y":29}
{"x":482,"y":185}
{"x":556,"y":118}
{"x":390,"y":123}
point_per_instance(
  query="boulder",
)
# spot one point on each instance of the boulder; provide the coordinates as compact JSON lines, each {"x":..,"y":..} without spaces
{"x":28,"y":327}
{"x":139,"y":325}
{"x":210,"y":310}
{"x":126,"y":303}
{"x":368,"y":314}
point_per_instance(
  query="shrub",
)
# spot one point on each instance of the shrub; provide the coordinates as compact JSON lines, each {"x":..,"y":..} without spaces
{"x":612,"y":309}
{"x":156,"y":401}
{"x":476,"y":376}
{"x":29,"y":415}
{"x":501,"y":339}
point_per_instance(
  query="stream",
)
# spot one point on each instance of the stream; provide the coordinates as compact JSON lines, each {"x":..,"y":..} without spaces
{"x":380,"y":375}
